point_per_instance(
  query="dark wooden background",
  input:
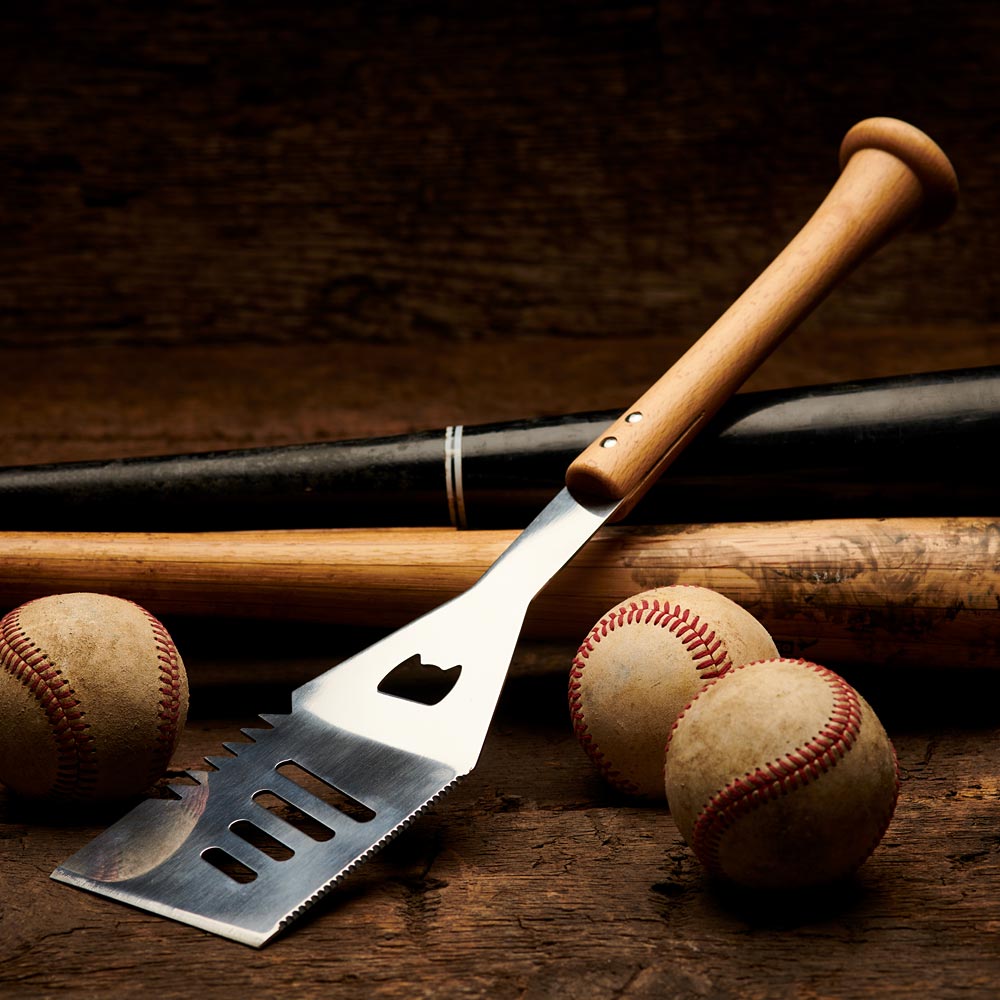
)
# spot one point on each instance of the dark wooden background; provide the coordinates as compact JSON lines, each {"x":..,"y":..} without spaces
{"x":234,"y":223}
{"x":234,"y":189}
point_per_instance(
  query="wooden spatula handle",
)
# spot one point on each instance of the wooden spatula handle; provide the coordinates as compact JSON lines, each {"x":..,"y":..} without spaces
{"x":893,"y":175}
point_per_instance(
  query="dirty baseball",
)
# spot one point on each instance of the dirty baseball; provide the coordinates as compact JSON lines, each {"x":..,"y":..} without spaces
{"x":779,"y":775}
{"x":641,"y":664}
{"x":93,"y":696}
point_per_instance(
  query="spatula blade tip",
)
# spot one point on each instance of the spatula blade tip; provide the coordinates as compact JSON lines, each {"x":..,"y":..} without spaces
{"x":252,"y":937}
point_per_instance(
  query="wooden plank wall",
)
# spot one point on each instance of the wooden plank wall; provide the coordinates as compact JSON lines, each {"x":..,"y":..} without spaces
{"x":225,"y":172}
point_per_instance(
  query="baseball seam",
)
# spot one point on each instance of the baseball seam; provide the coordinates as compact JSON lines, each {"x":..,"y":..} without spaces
{"x":709,"y":657}
{"x":76,"y":764}
{"x":168,"y":718}
{"x":785,"y":774}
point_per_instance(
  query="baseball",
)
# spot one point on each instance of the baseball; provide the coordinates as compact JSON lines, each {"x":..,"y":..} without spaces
{"x":93,"y":696}
{"x":779,"y":776}
{"x":641,"y":664}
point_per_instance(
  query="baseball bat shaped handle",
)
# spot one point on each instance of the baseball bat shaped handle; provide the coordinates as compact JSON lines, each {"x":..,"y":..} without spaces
{"x":892,"y":176}
{"x":874,"y":592}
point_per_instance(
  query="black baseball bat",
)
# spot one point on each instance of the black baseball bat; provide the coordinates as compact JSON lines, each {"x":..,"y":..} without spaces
{"x":910,"y":445}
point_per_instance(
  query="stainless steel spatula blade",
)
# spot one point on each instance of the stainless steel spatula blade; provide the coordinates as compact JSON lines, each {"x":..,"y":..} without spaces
{"x":390,"y":757}
{"x":250,"y":845}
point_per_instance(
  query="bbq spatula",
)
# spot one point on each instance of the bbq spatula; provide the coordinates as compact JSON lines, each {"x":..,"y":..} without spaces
{"x":247,"y":848}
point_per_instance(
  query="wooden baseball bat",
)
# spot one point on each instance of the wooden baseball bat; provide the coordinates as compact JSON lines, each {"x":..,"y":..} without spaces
{"x":904,"y":591}
{"x":868,"y":448}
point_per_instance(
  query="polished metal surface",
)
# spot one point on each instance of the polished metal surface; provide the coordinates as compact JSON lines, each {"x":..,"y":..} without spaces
{"x":390,"y":756}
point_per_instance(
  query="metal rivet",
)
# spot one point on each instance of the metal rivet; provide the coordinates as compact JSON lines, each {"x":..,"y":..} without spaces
{"x":633,"y":418}
{"x":609,"y":442}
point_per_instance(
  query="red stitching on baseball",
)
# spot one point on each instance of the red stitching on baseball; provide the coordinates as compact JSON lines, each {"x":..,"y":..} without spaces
{"x":708,"y":654}
{"x":779,"y":777}
{"x":168,"y":718}
{"x":76,"y":759}
{"x":76,"y":765}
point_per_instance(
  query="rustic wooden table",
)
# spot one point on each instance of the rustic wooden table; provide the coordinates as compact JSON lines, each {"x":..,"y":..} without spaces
{"x":228,"y":227}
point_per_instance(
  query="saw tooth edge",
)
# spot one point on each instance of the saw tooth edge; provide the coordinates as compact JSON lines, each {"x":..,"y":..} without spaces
{"x":373,"y":849}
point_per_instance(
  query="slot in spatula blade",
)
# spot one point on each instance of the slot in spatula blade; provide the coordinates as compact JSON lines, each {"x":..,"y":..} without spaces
{"x":184,"y":860}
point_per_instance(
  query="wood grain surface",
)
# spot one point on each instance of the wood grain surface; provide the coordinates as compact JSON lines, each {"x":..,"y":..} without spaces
{"x":532,"y":880}
{"x":227,"y":224}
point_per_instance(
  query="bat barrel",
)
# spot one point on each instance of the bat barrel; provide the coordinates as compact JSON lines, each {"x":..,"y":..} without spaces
{"x":876,"y":447}
{"x":874,"y":592}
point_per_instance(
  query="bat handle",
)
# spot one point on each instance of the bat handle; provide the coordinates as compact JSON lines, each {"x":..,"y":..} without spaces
{"x":892,"y":176}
